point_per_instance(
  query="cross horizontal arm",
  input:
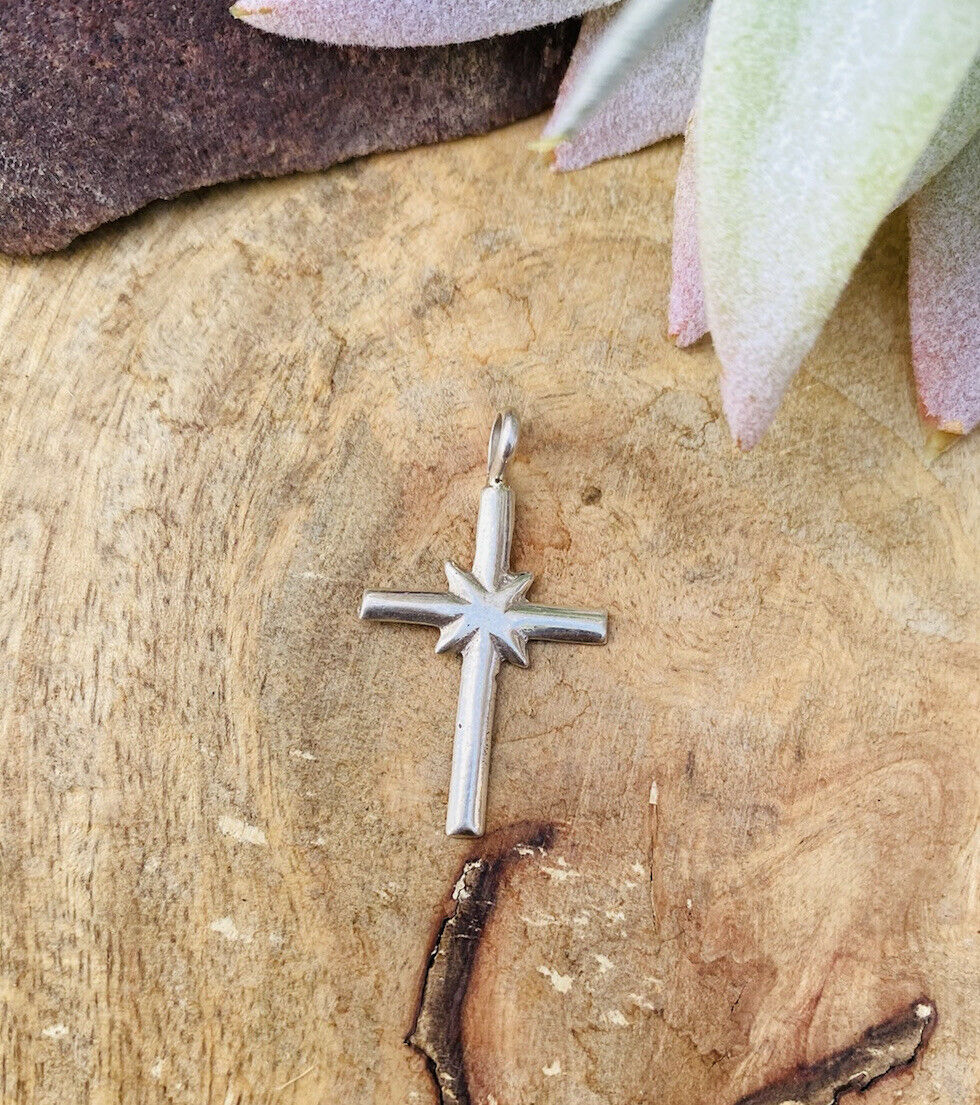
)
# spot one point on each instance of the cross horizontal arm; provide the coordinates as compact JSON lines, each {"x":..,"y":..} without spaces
{"x":554,"y":623}
{"x":417,"y":607}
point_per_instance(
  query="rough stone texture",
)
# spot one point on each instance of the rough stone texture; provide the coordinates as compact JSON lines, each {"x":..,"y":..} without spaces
{"x":105,"y":107}
{"x":222,"y":862}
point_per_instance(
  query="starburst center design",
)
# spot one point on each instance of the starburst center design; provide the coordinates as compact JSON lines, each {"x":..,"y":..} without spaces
{"x":487,"y":611}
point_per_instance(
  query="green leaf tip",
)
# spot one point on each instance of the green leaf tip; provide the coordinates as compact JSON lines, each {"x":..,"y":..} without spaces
{"x":240,"y":11}
{"x":546,"y":143}
{"x":634,"y":31}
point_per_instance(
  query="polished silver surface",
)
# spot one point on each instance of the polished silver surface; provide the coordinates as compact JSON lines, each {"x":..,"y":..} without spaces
{"x":483,"y":615}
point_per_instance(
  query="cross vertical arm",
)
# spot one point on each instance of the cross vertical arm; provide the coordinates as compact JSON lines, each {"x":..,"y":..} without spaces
{"x":494,"y":532}
{"x":471,"y":741}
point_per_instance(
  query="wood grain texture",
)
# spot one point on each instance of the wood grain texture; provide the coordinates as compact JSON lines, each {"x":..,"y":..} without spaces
{"x":222,"y":859}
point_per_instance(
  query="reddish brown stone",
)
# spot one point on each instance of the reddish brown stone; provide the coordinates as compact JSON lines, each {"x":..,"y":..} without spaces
{"x":105,"y":107}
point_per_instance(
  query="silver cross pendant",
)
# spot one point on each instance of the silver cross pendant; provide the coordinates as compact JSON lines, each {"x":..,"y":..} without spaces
{"x":484,"y":616}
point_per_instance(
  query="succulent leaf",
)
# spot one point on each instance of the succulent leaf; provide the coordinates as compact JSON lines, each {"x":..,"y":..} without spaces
{"x":811,"y":117}
{"x":958,"y":125}
{"x":654,"y":102}
{"x":635,"y":30}
{"x":686,"y":320}
{"x":944,"y":294}
{"x":404,"y":22}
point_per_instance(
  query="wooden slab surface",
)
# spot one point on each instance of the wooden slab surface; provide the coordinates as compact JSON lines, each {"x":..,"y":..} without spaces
{"x":736,"y":840}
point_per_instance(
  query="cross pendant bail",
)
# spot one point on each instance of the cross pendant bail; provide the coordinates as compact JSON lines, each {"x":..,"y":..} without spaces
{"x":484,"y":616}
{"x":504,"y":436}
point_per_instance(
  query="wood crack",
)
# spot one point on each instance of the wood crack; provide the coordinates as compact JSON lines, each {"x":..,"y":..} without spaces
{"x":886,"y":1047}
{"x":438,"y":1029}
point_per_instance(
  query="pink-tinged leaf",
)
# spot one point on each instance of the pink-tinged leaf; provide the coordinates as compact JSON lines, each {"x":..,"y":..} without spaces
{"x":404,"y":22}
{"x":959,"y":124}
{"x":633,"y":33}
{"x":653,"y":103}
{"x":686,"y":318}
{"x":944,"y":294}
